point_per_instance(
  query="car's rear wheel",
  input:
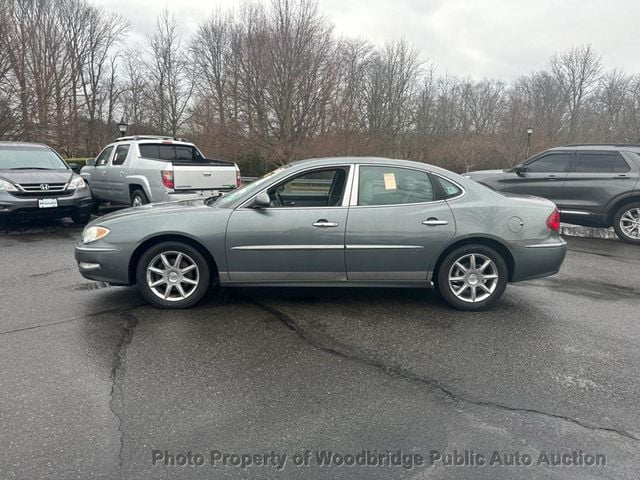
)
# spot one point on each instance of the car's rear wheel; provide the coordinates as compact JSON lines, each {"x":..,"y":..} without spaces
{"x":173,"y":275}
{"x":472,"y":277}
{"x":138,"y":197}
{"x":626,"y":223}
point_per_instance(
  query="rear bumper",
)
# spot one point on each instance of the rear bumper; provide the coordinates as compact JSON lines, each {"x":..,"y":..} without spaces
{"x":79,"y":202}
{"x":536,"y":260}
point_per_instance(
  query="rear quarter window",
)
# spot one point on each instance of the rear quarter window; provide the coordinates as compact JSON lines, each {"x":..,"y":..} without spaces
{"x":170,"y":152}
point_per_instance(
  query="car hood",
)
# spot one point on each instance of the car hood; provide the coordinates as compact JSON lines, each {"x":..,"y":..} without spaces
{"x":153,"y":209}
{"x":36,"y":176}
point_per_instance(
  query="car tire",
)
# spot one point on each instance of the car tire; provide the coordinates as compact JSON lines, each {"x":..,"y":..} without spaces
{"x":81,"y":218}
{"x":168,"y":282}
{"x":472,"y":277}
{"x":626,"y":223}
{"x":138,"y":197}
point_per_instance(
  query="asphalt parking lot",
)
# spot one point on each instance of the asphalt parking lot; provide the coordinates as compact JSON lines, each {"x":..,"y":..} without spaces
{"x":93,"y":380}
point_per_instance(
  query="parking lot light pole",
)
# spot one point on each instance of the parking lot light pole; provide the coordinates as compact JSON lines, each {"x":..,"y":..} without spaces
{"x":529,"y":132}
{"x":122,"y":127}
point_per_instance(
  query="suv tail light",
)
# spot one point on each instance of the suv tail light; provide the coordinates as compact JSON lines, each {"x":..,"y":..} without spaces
{"x":238,"y":180}
{"x":167,"y":178}
{"x":553,"y":221}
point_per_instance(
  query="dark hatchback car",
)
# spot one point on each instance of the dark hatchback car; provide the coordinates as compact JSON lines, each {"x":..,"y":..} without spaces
{"x":35,"y":182}
{"x":592,"y":185}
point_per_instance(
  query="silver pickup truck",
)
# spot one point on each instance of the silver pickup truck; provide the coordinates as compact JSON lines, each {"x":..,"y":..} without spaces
{"x":142,"y":169}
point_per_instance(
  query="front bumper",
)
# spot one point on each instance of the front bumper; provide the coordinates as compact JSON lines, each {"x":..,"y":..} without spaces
{"x":537,"y":260}
{"x":103,"y":263}
{"x":77,"y":203}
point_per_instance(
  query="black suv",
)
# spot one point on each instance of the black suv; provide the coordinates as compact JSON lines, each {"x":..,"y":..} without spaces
{"x":592,"y":185}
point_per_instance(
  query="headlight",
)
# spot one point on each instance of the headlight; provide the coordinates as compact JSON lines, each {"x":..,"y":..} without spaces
{"x":92,"y":234}
{"x":9,"y":187}
{"x":76,"y":184}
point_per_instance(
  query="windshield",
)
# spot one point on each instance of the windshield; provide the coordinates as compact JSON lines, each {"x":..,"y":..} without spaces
{"x":23,"y":158}
{"x":227,"y":200}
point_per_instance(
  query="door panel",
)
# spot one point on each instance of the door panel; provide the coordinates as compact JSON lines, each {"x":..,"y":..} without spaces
{"x":282,"y":244}
{"x":396,"y":227}
{"x":116,"y":173}
{"x":99,"y":183}
{"x":597,"y":178}
{"x":543,"y":177}
{"x":391,"y":243}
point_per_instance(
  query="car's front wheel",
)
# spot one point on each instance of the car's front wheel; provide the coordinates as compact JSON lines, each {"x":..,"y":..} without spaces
{"x":472,"y":277}
{"x":173,"y":275}
{"x":626,"y":223}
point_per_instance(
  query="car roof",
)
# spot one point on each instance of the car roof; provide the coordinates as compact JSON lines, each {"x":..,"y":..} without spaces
{"x":599,"y":146}
{"x":367,"y":160}
{"x":153,"y":139}
{"x":25,"y":144}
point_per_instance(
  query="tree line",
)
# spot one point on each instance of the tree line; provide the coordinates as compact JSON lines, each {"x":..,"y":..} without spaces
{"x":268,"y":84}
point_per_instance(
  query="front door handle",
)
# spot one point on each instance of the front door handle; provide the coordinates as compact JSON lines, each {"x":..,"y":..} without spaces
{"x":322,"y":223}
{"x":122,"y":173}
{"x":552,"y":178}
{"x":434,"y":222}
{"x":622,"y":177}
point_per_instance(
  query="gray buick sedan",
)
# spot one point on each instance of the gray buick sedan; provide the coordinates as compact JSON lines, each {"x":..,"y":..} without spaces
{"x":351,"y":221}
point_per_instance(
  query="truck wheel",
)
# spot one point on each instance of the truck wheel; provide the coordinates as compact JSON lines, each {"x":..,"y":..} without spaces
{"x":173,"y":275}
{"x":138,"y":197}
{"x":626,"y":223}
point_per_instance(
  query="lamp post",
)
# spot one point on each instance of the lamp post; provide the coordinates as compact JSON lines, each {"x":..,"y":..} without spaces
{"x":529,"y":133}
{"x":122,"y":127}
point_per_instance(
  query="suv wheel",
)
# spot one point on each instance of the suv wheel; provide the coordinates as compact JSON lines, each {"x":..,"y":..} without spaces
{"x":472,"y":277}
{"x":626,"y":223}
{"x":173,"y":275}
{"x":81,"y":218}
{"x":138,"y":197}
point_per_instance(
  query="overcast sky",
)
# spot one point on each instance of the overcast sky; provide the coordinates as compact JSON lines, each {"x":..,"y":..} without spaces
{"x":481,"y":38}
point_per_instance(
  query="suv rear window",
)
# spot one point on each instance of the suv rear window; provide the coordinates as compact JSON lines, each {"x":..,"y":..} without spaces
{"x":601,"y":162}
{"x":170,"y":152}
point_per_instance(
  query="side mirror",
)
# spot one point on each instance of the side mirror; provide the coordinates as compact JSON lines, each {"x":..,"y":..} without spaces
{"x":262,"y":200}
{"x":91,"y":162}
{"x":518,"y":170}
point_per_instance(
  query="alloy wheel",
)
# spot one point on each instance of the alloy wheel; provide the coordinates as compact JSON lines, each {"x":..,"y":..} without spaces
{"x":473,"y":277}
{"x":173,"y":276}
{"x":630,"y":223}
{"x":137,"y":201}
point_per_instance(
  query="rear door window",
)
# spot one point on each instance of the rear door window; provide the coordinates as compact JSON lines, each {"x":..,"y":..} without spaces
{"x":601,"y":162}
{"x":550,"y":163}
{"x":393,"y":186}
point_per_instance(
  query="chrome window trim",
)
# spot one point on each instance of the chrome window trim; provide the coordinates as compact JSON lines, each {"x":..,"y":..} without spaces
{"x":354,"y":191}
{"x":350,"y":166}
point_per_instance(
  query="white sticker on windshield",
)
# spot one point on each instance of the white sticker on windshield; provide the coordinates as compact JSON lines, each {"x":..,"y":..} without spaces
{"x":390,"y":181}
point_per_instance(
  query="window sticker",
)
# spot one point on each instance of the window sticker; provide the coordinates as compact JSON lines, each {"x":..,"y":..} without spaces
{"x":390,"y":181}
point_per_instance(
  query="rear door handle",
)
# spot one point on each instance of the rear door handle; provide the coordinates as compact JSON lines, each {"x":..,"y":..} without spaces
{"x":432,"y":222}
{"x":622,"y":177}
{"x":122,"y":173}
{"x":322,"y":223}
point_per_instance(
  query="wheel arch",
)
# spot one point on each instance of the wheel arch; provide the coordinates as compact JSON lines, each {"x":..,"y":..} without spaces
{"x":141,"y":182}
{"x":491,"y":242}
{"x":619,"y":203}
{"x":171,"y":237}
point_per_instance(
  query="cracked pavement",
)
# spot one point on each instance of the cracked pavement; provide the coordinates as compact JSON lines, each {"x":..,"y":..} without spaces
{"x":93,"y":380}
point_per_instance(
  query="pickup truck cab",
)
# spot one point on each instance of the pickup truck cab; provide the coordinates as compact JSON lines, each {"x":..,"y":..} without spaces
{"x":142,"y":169}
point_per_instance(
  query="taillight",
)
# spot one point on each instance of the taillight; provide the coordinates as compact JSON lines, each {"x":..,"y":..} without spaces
{"x":167,"y":178}
{"x":553,"y":221}
{"x":238,"y":181}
